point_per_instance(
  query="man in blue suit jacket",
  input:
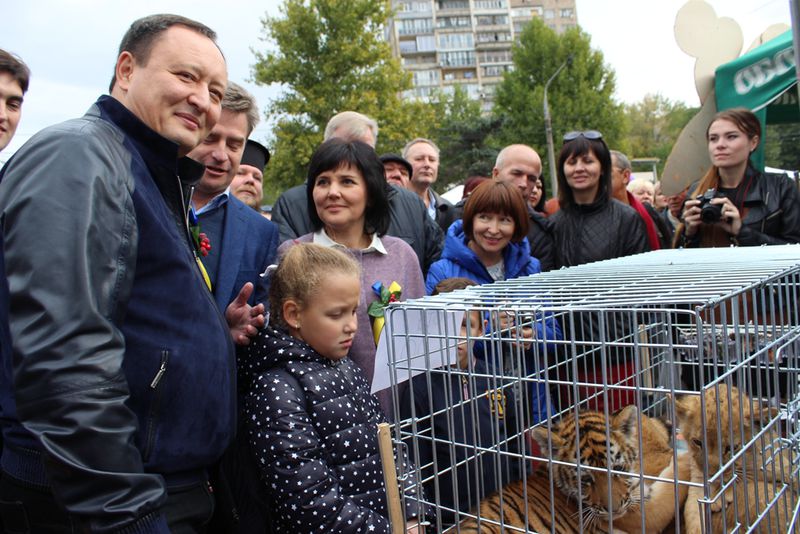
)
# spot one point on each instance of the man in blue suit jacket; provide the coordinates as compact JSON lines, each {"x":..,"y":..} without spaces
{"x":242,"y":242}
{"x":242,"y":245}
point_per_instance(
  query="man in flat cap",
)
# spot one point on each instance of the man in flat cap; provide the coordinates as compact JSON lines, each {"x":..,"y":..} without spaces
{"x":397,"y":169}
{"x":248,"y":185}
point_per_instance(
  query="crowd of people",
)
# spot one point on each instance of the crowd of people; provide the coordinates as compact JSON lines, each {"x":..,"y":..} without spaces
{"x":160,"y":374}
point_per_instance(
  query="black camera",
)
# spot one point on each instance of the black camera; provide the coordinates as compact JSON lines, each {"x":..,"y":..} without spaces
{"x":710,"y":213}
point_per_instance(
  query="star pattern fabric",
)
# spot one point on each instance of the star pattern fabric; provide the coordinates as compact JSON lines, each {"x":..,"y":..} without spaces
{"x":312,"y":426}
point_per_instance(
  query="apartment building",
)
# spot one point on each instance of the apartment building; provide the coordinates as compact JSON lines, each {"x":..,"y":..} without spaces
{"x":444,"y":43}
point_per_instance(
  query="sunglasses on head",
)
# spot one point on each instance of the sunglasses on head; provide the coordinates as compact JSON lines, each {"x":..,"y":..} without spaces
{"x":588,"y":134}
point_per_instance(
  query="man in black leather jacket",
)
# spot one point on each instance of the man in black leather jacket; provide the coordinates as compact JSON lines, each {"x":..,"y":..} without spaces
{"x":117,"y":385}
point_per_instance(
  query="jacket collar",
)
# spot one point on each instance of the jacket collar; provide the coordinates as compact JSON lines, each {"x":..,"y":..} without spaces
{"x":456,"y":249}
{"x":155,"y":149}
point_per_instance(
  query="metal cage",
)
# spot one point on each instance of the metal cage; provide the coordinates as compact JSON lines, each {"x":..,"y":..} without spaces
{"x":704,"y":341}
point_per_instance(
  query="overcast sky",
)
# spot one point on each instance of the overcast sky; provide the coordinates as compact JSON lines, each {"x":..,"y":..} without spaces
{"x":71,"y":46}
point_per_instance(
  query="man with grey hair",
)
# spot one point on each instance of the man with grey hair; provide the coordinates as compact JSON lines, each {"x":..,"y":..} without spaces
{"x":407,"y":218}
{"x":117,"y":380}
{"x":423,"y":155}
{"x":14,"y":77}
{"x":242,"y":242}
{"x":657,"y":237}
{"x":352,"y":125}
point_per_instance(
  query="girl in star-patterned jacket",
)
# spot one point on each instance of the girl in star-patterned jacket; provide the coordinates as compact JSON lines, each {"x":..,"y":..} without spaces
{"x":311,"y":420}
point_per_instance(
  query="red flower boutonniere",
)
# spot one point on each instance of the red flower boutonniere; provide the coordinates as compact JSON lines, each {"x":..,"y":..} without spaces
{"x":199,"y":239}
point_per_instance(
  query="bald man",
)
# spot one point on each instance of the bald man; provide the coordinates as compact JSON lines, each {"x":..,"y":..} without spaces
{"x":521,"y":166}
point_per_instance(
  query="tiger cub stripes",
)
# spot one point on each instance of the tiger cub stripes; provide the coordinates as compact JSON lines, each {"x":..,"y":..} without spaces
{"x":525,"y":506}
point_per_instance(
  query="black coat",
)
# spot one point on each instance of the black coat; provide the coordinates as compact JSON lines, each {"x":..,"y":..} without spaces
{"x":600,"y":231}
{"x":312,"y":426}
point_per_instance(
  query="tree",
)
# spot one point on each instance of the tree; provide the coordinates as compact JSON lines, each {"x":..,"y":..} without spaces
{"x":653,"y":126}
{"x":332,"y":56}
{"x":464,"y":137}
{"x":580,"y":97}
{"x":781,"y":143}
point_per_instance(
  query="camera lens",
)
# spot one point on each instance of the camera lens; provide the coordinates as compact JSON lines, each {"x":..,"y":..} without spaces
{"x":711,"y":213}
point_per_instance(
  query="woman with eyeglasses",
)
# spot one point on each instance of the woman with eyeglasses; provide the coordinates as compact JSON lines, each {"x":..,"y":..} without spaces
{"x":591,"y":225}
{"x":734,"y":204}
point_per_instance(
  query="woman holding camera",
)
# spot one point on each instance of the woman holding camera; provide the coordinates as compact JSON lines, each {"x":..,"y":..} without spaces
{"x":734,"y":203}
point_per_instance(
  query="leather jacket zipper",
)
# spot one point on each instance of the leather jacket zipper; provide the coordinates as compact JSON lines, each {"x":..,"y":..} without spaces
{"x":152,"y":415}
{"x":161,"y":370}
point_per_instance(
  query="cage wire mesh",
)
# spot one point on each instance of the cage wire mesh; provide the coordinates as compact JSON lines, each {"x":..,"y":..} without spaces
{"x":651,"y":393}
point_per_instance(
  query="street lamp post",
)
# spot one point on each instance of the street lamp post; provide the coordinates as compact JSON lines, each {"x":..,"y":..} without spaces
{"x":548,"y":128}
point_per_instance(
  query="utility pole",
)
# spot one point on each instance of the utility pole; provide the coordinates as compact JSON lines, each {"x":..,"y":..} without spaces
{"x":548,"y":129}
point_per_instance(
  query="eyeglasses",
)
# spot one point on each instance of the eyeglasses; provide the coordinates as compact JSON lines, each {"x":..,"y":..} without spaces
{"x":588,"y":134}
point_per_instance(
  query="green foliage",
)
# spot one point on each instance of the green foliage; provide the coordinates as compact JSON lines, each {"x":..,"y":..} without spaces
{"x":579,"y":98}
{"x":464,"y":138}
{"x":653,"y":127}
{"x":782,"y":146}
{"x":331,"y":56}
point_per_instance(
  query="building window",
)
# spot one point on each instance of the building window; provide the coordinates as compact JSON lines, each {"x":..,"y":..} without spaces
{"x":495,"y":56}
{"x":426,"y":43}
{"x":491,"y":37}
{"x":452,"y":4}
{"x":566,"y":13}
{"x":469,"y":74}
{"x":455,"y":41}
{"x":408,"y":47}
{"x":494,"y":70}
{"x":473,"y":90}
{"x":457,"y":59}
{"x":490,"y":4}
{"x":414,"y":26}
{"x":491,"y":20}
{"x":413,"y":7}
{"x":452,"y":22}
{"x":425,"y":77}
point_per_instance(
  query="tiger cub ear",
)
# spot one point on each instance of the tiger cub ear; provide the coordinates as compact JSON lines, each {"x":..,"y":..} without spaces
{"x":544,"y":437}
{"x":627,"y":421}
{"x":763,"y":414}
{"x":686,"y":405}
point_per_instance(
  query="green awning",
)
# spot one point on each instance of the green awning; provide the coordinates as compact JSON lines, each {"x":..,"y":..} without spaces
{"x":761,"y":80}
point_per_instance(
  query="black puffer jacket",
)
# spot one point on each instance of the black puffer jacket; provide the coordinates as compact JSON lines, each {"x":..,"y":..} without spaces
{"x":599,"y":231}
{"x":312,"y":425}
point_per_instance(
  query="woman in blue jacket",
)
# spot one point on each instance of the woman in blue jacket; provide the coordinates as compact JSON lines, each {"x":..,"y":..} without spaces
{"x":488,"y":243}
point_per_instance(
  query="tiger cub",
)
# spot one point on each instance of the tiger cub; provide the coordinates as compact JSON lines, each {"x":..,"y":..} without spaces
{"x":509,"y":507}
{"x":762,"y":469}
